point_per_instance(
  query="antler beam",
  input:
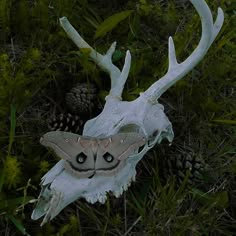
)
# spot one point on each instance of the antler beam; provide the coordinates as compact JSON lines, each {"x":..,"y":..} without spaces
{"x":176,"y":70}
{"x":118,"y":78}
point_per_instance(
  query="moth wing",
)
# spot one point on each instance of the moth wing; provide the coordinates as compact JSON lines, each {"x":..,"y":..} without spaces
{"x":113,"y":150}
{"x":123,"y":145}
{"x":72,"y":147}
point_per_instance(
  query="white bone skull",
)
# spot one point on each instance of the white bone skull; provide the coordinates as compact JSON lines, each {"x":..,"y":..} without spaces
{"x":143,"y":116}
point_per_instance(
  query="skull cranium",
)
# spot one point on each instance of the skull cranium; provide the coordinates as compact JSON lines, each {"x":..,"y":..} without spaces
{"x":143,"y":116}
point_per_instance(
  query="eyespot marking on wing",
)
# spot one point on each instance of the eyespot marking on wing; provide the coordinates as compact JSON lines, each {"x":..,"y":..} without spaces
{"x":108,"y":157}
{"x":81,"y":158}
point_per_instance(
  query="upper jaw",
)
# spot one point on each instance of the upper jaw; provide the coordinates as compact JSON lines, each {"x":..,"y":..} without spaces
{"x":64,"y":188}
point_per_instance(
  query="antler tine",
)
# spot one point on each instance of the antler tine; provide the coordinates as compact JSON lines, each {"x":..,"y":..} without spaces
{"x":117,"y":90}
{"x":178,"y":70}
{"x":118,"y":78}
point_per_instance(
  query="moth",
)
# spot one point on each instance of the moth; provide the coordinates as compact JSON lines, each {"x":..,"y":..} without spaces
{"x":86,"y":156}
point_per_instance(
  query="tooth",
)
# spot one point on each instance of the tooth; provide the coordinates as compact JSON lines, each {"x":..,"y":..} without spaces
{"x":88,"y":199}
{"x":100,"y":198}
{"x":125,"y":187}
{"x":132,"y":178}
{"x":117,"y":193}
{"x":93,"y":200}
{"x":103,"y":199}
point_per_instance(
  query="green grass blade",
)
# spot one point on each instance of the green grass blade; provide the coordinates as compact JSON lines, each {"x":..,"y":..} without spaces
{"x":17,"y":223}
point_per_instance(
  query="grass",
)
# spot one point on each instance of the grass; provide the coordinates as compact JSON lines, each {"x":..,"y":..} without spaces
{"x":39,"y":64}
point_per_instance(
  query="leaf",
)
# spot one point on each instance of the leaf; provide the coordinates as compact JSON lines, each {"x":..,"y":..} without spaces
{"x":111,"y":22}
{"x":117,"y":55}
{"x":17,"y":223}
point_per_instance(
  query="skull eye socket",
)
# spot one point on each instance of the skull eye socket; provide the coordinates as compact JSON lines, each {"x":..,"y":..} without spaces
{"x":155,"y":133}
{"x":140,"y":149}
{"x":81,"y":158}
{"x":108,"y":157}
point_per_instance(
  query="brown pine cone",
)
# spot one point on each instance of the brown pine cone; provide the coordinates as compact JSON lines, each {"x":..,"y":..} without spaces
{"x":82,"y":99}
{"x":180,"y":165}
{"x":66,"y":122}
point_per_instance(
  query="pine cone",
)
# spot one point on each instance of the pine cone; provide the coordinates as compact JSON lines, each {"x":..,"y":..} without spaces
{"x":180,"y":165}
{"x":82,"y":99}
{"x":66,"y":122}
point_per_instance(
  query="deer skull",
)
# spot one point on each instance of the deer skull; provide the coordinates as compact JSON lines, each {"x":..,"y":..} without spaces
{"x":143,"y":116}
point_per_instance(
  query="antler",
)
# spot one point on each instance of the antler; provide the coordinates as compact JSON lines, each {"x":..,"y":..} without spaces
{"x":176,"y":70}
{"x":118,"y":78}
